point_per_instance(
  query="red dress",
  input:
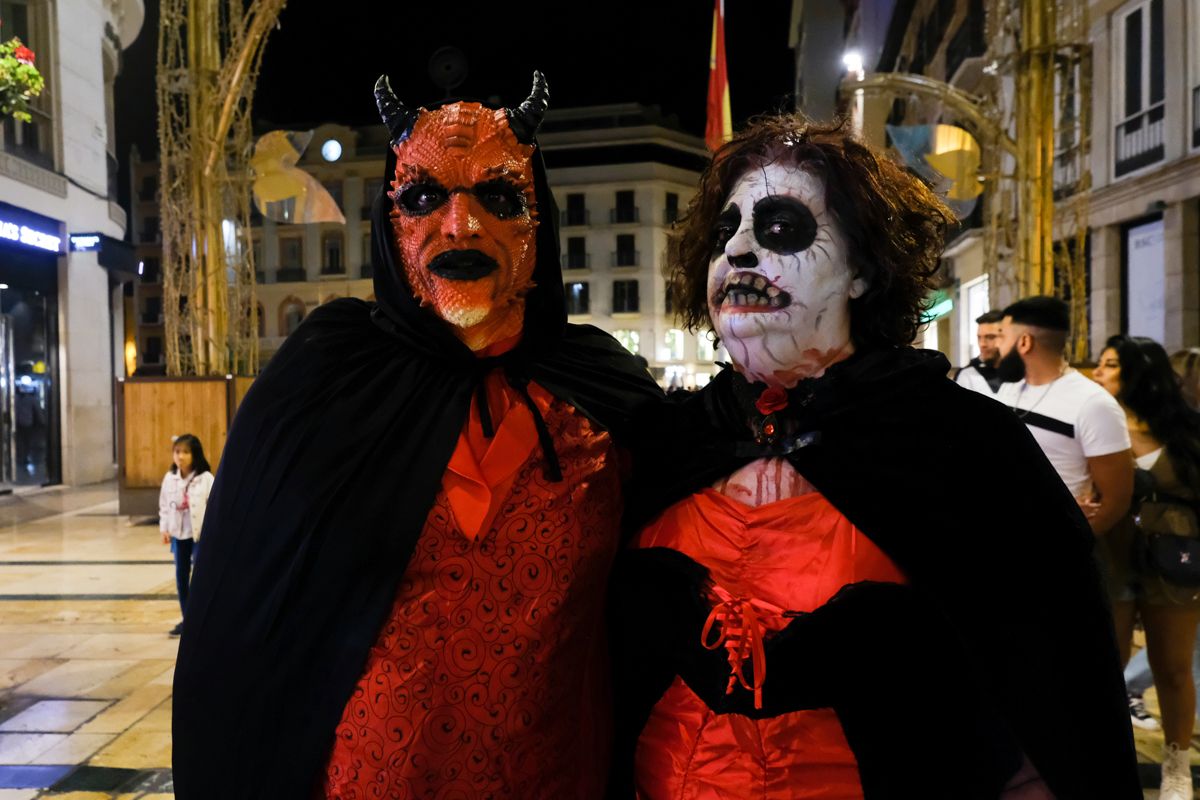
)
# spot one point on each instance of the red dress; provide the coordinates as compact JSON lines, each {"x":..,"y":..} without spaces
{"x":488,"y":679}
{"x":790,"y":555}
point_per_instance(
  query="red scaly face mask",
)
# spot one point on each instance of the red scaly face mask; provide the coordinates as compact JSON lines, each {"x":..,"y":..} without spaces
{"x":465,"y":220}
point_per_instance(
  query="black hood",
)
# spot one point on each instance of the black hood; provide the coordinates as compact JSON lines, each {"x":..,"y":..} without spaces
{"x":399,"y":311}
{"x":332,"y":464}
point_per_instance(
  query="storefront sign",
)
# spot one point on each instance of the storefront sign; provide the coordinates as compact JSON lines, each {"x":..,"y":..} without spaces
{"x":83,"y":242}
{"x":31,"y":237}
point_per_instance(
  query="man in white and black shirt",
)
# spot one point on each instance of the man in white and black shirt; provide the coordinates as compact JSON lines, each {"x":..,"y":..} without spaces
{"x":980,"y":373}
{"x":1080,"y":427}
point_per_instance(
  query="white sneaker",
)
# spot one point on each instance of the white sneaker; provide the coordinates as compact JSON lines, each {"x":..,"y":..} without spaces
{"x":1139,"y":716}
{"x":1176,"y":774}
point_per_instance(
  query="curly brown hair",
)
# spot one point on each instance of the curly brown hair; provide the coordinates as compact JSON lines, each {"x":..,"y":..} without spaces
{"x":894,"y":226}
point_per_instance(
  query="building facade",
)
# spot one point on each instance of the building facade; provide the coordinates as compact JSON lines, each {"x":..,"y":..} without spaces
{"x":62,"y":258}
{"x":620,"y":174}
{"x":1145,"y":204}
{"x":1142,"y":265}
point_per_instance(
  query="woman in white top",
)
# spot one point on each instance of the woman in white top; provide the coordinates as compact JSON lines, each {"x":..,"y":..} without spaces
{"x":181,"y":504}
{"x":1165,"y":433}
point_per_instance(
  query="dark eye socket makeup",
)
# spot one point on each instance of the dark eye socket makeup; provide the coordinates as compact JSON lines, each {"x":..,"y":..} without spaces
{"x":784,"y":224}
{"x":499,"y":197}
{"x":726,"y":226}
{"x":424,"y":197}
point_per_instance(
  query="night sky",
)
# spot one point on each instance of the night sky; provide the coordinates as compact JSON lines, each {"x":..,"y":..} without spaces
{"x":322,"y":62}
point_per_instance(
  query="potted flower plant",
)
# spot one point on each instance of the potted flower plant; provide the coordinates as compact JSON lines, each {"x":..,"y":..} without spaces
{"x":20,"y":80}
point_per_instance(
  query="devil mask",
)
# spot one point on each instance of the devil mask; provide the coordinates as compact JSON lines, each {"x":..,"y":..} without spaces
{"x":779,"y":282}
{"x":465,"y":213}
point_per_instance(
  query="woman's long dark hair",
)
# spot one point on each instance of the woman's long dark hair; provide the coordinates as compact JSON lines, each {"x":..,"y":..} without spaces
{"x":1152,"y":390}
{"x":199,"y":462}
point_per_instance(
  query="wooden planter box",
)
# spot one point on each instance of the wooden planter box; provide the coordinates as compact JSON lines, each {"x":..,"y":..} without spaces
{"x":151,"y":411}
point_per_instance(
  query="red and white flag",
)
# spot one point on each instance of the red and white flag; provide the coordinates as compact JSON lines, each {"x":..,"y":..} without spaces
{"x":720,"y":124}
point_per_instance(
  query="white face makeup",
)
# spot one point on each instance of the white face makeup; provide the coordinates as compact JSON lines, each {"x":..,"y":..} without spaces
{"x":779,"y":285}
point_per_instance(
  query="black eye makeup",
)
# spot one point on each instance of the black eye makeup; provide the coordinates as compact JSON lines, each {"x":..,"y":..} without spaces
{"x":784,"y":224}
{"x":725,"y":227}
{"x":500,"y":198}
{"x":419,"y":199}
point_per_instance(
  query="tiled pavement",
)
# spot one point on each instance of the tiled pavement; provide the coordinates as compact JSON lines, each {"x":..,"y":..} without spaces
{"x":86,"y":599}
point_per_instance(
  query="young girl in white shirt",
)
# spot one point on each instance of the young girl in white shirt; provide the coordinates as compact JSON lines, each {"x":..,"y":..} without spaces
{"x":181,"y":505}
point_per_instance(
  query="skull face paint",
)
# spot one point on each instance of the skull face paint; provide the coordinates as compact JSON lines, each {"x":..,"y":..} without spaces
{"x":779,"y":283}
{"x":465,"y":219}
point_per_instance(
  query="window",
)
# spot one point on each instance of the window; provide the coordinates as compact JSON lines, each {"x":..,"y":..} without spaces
{"x":153,"y":311}
{"x":671,"y":212}
{"x":626,"y":255}
{"x":291,"y":314}
{"x":674,"y":343}
{"x":630,"y":340}
{"x":367,"y":265}
{"x":1139,"y":139}
{"x":154,"y":352}
{"x":261,"y":321}
{"x":577,"y":298}
{"x":576,"y":213}
{"x":625,"y":211}
{"x":335,"y":191}
{"x":331,"y":249}
{"x":705,"y":350}
{"x":149,"y":187}
{"x":32,"y":141}
{"x":291,"y":252}
{"x":370,"y":190}
{"x":625,"y":297}
{"x":150,"y":269}
{"x":150,"y":230}
{"x":577,"y":252}
{"x":256,"y":254}
{"x":973,"y":302}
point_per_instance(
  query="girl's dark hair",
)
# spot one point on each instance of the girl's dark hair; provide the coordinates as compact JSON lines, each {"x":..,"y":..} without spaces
{"x":893,"y":224}
{"x":1152,"y":390}
{"x":199,"y":462}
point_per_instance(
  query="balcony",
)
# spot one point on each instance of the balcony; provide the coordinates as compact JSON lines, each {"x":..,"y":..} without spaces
{"x":335,"y":271}
{"x":366,"y":271}
{"x":1196,"y":117}
{"x":670,"y":216}
{"x":365,"y":212}
{"x":623,"y":214}
{"x":577,"y":260}
{"x":260,"y":277}
{"x":574,"y":217}
{"x":151,"y":319}
{"x":32,"y":141}
{"x":625,"y":258}
{"x":290,"y":275}
{"x":1139,"y":140}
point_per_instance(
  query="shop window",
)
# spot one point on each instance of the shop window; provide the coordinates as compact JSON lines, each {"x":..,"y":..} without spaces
{"x":706,"y":350}
{"x":674,"y":344}
{"x":630,"y":340}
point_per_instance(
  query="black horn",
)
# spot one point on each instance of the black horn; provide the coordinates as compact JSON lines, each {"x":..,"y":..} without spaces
{"x":399,"y":120}
{"x":525,"y":118}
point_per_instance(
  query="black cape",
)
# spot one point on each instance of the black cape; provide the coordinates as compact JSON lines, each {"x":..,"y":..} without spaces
{"x":951,"y":486}
{"x":331,"y":466}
